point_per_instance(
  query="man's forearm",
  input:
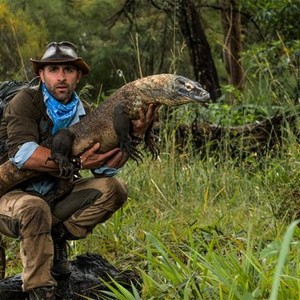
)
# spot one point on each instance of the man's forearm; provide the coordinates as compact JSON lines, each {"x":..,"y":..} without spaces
{"x":39,"y":161}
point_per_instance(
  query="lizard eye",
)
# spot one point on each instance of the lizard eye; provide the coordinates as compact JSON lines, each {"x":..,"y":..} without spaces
{"x":189,"y":86}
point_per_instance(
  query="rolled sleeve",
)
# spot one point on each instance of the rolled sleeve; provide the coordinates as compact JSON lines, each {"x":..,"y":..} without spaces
{"x":106,"y":171}
{"x":23,"y":154}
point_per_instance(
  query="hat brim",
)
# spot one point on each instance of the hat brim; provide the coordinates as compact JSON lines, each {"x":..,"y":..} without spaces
{"x":77,"y":62}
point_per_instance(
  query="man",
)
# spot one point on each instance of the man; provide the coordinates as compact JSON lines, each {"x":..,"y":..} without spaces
{"x":47,"y":211}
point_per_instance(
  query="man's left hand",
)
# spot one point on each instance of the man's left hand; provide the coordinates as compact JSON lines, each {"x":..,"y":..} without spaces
{"x":90,"y":159}
{"x":140,"y":125}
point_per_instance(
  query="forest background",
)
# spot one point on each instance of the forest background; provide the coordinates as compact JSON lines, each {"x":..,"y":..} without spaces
{"x":209,"y":227}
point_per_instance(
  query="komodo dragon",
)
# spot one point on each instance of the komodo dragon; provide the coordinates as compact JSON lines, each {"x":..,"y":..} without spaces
{"x":109,"y":123}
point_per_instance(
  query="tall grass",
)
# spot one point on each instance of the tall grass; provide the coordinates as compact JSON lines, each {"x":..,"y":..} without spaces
{"x":205,"y":229}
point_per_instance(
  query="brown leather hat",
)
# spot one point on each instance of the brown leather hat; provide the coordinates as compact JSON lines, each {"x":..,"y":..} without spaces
{"x":61,"y":53}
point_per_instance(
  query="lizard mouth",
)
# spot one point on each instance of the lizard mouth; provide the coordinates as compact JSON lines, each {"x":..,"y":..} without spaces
{"x":191,"y":90}
{"x":204,"y":96}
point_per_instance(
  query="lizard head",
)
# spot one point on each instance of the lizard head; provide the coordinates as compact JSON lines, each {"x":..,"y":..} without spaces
{"x":171,"y":90}
{"x":186,"y":90}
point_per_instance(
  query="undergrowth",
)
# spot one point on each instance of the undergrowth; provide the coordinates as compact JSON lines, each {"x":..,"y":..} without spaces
{"x":205,"y":229}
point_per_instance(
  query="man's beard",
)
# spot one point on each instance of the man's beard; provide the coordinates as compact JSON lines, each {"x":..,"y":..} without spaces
{"x":61,"y":95}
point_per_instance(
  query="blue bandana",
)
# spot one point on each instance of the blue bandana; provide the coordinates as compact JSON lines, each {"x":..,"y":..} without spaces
{"x":60,"y":114}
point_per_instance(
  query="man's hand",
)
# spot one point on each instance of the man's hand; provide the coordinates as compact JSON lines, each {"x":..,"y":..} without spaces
{"x":90,"y":159}
{"x":140,"y":125}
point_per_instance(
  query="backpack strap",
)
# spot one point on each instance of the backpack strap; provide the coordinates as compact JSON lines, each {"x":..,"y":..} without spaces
{"x":9,"y":88}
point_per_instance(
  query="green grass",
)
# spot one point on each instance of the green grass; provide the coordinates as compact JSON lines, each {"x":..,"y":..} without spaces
{"x":203,"y":229}
{"x":206,"y":230}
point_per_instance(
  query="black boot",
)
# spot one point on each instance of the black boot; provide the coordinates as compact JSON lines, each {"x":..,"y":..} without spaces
{"x":42,"y":293}
{"x":61,"y":266}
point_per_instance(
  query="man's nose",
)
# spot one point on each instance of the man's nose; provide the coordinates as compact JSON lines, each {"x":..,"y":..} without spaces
{"x":61,"y":74}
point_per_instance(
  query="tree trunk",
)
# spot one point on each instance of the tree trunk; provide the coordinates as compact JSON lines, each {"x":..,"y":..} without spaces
{"x":199,"y":49}
{"x":231,"y":23}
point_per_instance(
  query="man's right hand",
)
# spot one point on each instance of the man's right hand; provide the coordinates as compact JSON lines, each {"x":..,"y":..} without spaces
{"x":90,"y":159}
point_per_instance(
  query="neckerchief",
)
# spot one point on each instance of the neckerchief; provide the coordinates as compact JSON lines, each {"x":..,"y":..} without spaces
{"x":60,"y":114}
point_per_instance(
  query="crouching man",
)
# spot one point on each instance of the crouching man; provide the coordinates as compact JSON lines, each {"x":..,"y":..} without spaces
{"x":46,"y":211}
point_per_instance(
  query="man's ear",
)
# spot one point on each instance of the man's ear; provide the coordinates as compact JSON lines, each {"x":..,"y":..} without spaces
{"x":79,"y":75}
{"x":41,"y":73}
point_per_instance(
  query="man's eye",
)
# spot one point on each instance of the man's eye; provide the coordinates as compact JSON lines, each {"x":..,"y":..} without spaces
{"x":53,"y":69}
{"x":70,"y":69}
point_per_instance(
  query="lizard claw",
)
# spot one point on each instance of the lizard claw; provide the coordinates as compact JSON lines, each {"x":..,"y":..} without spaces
{"x":66,"y":169}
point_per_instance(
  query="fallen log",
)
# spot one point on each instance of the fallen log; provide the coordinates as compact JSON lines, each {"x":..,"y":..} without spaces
{"x":257,"y":138}
{"x":89,"y":272}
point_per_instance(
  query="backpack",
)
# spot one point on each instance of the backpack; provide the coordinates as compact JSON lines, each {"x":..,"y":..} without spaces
{"x":9,"y":88}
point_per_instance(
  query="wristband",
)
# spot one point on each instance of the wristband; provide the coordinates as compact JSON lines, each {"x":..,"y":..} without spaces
{"x":76,"y":162}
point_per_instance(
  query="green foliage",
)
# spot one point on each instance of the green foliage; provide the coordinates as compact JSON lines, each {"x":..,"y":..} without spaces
{"x":20,"y":40}
{"x":226,"y":115}
{"x":275,"y":17}
{"x":271,"y":50}
{"x":193,"y":228}
{"x":274,"y":71}
{"x":284,"y":251}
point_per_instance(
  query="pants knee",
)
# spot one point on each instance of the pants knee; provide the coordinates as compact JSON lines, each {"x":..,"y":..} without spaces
{"x":119,"y":190}
{"x":114,"y":193}
{"x":35,"y":218}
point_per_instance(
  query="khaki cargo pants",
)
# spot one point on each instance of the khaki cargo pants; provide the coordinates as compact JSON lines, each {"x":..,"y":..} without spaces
{"x":29,"y":218}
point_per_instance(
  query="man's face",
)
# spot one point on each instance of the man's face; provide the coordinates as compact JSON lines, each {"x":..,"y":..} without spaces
{"x":60,"y":80}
